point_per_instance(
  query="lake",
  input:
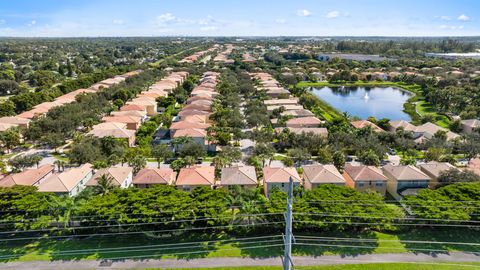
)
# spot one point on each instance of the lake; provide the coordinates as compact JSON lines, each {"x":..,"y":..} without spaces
{"x":363,"y":102}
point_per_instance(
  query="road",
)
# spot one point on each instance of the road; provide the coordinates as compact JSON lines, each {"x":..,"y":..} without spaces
{"x":452,"y":259}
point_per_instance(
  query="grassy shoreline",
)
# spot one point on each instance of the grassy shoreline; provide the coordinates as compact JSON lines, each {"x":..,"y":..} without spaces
{"x":416,"y":106}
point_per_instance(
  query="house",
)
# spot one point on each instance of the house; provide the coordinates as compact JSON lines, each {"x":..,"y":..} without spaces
{"x":187,"y":125}
{"x":468,"y":126}
{"x":192,"y":177}
{"x":276,"y":92}
{"x":304,"y":122}
{"x":141,"y":114}
{"x":394,"y":125}
{"x":274,"y":177}
{"x":243,"y":176}
{"x":428,"y":130}
{"x":474,"y":165}
{"x":433,"y":169}
{"x":133,"y":122}
{"x":365,"y":123}
{"x":113,"y":129}
{"x":15,"y":121}
{"x":133,"y":107}
{"x":70,"y":182}
{"x":317,"y":131}
{"x":29,"y":177}
{"x":198,"y":135}
{"x":318,"y":174}
{"x":290,"y":107}
{"x":280,"y":102}
{"x":363,"y":178}
{"x":404,"y":179}
{"x":121,"y":176}
{"x":149,"y":104}
{"x":298,"y":113}
{"x":148,"y":177}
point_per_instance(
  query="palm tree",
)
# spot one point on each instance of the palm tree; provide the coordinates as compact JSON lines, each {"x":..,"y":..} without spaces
{"x":247,"y":214}
{"x":104,"y":184}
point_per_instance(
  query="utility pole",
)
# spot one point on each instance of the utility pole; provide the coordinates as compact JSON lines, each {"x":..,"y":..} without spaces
{"x":287,"y":260}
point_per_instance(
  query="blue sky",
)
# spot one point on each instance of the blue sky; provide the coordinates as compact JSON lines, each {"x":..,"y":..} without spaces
{"x":57,"y":18}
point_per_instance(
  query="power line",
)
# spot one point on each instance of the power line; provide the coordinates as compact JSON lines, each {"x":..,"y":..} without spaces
{"x":142,"y":232}
{"x":134,"y":224}
{"x":385,"y":217}
{"x":343,"y":239}
{"x":374,"y":247}
{"x":393,"y":224}
{"x":189,"y":245}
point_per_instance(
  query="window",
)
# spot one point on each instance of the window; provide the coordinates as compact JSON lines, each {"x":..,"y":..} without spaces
{"x":283,"y":185}
{"x":361,"y":184}
{"x":378,"y":184}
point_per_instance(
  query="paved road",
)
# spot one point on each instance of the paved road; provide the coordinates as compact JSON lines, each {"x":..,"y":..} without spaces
{"x":451,"y":259}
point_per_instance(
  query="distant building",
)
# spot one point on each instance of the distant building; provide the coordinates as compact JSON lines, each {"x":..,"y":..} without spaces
{"x":353,"y":57}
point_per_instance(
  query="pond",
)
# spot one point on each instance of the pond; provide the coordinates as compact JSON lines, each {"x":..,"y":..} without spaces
{"x":363,"y":102}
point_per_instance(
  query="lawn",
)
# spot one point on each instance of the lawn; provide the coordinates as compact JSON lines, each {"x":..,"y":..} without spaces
{"x":423,"y":108}
{"x":221,"y":245}
{"x":370,"y":266}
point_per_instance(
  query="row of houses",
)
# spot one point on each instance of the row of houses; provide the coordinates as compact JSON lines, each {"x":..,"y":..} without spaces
{"x":196,"y":56}
{"x":420,"y":133}
{"x":302,"y":120}
{"x":223,"y":56}
{"x":125,"y":122}
{"x":193,"y":120}
{"x":23,"y":119}
{"x":397,"y":180}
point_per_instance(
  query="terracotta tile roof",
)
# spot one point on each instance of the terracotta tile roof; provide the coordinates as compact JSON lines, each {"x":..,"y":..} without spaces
{"x":188,"y":125}
{"x":364,"y":173}
{"x":287,"y":101}
{"x":14,"y":120}
{"x":149,"y":176}
{"x":192,"y":112}
{"x":322,"y":174}
{"x":190,"y":132}
{"x":303,"y":121}
{"x":65,"y":181}
{"x":196,"y":176}
{"x":206,"y":108}
{"x":243,"y":175}
{"x":119,"y":174}
{"x":474,"y":123}
{"x":280,"y":175}
{"x":402,"y":123}
{"x":365,"y":123}
{"x":4,"y":127}
{"x":132,"y":107}
{"x":474,"y":165}
{"x":130,"y":113}
{"x":26,"y":178}
{"x":123,"y":119}
{"x":429,"y":129}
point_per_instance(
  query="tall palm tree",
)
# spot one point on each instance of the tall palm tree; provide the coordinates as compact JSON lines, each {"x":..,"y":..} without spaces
{"x":104,"y":184}
{"x":247,"y":213}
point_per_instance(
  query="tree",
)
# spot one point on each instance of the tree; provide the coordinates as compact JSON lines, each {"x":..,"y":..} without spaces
{"x":434,"y":154}
{"x":324,"y":156}
{"x":299,"y":155}
{"x":369,"y":158}
{"x":192,"y":149}
{"x":60,"y":164}
{"x":105,"y":184}
{"x":456,"y":176}
{"x":161,"y":152}
{"x":178,"y":164}
{"x":339,"y":161}
{"x":25,"y":161}
{"x":8,"y":87}
{"x":230,"y":154}
{"x":137,"y":163}
{"x":263,"y":152}
{"x":10,"y":138}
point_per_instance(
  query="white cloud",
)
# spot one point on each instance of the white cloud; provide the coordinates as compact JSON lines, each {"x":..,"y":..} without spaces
{"x":208,"y":28}
{"x":118,"y":22}
{"x":164,"y":19}
{"x":280,"y":21}
{"x":332,"y":14}
{"x":463,"y":18}
{"x":451,"y":27}
{"x":445,"y":18}
{"x":303,"y":13}
{"x":32,"y":23}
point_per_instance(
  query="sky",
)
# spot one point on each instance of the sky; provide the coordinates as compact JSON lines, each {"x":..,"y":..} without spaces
{"x":93,"y":18}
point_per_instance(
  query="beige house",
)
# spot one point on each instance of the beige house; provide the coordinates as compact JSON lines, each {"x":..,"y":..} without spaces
{"x":433,"y":169}
{"x":468,"y":126}
{"x":274,"y":177}
{"x":114,"y":129}
{"x":404,"y":180}
{"x":304,"y":122}
{"x":70,"y":182}
{"x":148,"y":177}
{"x":318,"y":174}
{"x":121,"y":176}
{"x":192,"y":177}
{"x":364,"y":123}
{"x":242,"y":176}
{"x":29,"y":177}
{"x":363,"y":178}
{"x":394,"y":125}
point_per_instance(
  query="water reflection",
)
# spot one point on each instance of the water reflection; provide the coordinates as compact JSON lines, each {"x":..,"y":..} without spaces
{"x":380,"y":102}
